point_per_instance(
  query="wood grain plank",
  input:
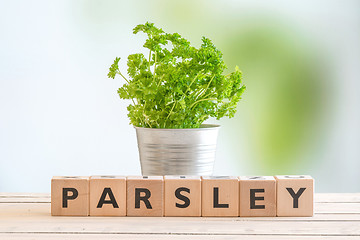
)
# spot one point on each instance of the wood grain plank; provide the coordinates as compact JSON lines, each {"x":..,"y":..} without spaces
{"x":337,"y":197}
{"x":180,"y":227}
{"x":24,"y":200}
{"x":40,"y":236}
{"x":35,"y":218}
{"x":27,"y":195}
{"x":351,"y":208}
{"x":340,"y":220}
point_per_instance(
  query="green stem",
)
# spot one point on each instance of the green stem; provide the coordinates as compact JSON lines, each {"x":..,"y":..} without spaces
{"x":201,"y":100}
{"x":170,"y":113}
{"x":146,"y":121}
{"x":208,"y":85}
{"x":144,"y":109}
{"x":228,"y":74}
{"x":149,"y":59}
{"x":139,"y":118}
{"x":123,"y":76}
{"x":154,"y":66}
{"x":193,"y":81}
{"x":205,"y":89}
{"x":207,"y":95}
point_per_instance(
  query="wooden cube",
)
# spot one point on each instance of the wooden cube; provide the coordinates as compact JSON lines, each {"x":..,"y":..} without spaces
{"x":107,"y":196}
{"x":220,"y":196}
{"x":182,"y":196}
{"x":70,"y":196}
{"x":258,"y":196}
{"x":295,"y":196}
{"x":145,"y":196}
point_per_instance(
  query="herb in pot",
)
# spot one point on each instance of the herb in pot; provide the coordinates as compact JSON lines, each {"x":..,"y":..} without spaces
{"x":177,"y":85}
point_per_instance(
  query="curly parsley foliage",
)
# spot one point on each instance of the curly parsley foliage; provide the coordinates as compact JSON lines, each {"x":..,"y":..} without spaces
{"x":177,"y":86}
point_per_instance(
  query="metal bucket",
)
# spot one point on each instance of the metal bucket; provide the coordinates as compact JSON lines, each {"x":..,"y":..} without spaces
{"x":177,"y":151}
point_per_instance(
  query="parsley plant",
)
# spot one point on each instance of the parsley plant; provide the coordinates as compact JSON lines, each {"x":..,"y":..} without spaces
{"x":177,"y":85}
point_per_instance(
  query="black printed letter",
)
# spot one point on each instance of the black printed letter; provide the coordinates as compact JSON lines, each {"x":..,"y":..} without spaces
{"x":145,"y":198}
{"x":216,"y":200}
{"x":66,"y":197}
{"x":182,"y":197}
{"x":112,"y":200}
{"x":295,"y":196}
{"x":253,"y":199}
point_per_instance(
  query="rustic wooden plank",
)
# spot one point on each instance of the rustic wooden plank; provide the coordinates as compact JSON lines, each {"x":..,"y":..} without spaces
{"x":353,"y":208}
{"x":35,"y":218}
{"x":24,"y":200}
{"x":39,"y":236}
{"x":129,"y":225}
{"x":337,"y":197}
{"x":26,"y":195}
{"x":33,"y":221}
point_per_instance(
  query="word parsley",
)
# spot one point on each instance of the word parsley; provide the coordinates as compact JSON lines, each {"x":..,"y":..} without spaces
{"x":177,"y":85}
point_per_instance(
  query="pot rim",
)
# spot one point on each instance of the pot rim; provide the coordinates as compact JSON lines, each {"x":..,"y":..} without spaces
{"x":202,"y":127}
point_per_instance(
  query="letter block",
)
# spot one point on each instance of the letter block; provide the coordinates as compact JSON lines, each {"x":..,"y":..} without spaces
{"x":145,"y":196}
{"x":295,"y":196}
{"x":220,"y":196}
{"x":70,"y":196}
{"x":258,"y":196}
{"x":182,"y":196}
{"x":107,"y":196}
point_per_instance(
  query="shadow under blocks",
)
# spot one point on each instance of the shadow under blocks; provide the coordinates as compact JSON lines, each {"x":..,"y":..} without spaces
{"x":190,"y":196}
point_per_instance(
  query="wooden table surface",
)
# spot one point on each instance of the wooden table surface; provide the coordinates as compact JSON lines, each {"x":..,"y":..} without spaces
{"x":27,"y":216}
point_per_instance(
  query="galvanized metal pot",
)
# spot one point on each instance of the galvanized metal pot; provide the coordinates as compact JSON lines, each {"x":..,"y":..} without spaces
{"x":177,"y":151}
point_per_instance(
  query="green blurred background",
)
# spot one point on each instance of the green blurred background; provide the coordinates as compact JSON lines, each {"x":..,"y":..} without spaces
{"x":300,"y":114}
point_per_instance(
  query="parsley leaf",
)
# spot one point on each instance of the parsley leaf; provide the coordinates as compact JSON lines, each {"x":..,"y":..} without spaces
{"x":177,"y":86}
